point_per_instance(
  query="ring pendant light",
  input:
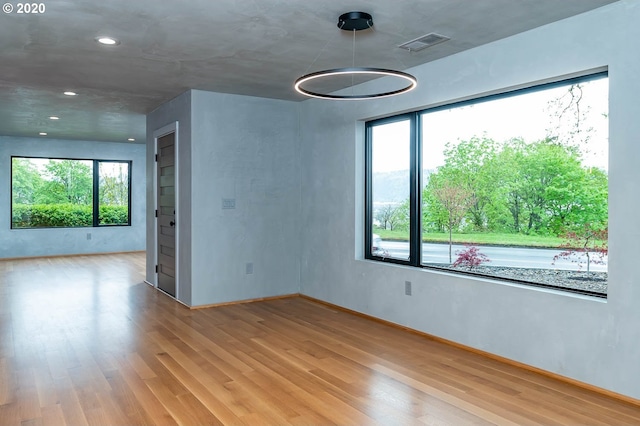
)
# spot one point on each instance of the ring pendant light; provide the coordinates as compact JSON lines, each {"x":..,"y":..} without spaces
{"x":355,"y":21}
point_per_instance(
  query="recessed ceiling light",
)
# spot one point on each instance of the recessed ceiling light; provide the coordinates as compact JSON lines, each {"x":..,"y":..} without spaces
{"x":70,"y":93}
{"x":43,"y":133}
{"x":53,"y":117}
{"x":109,"y":41}
{"x":131,"y":140}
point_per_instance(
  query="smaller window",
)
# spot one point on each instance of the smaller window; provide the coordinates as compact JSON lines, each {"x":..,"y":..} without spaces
{"x":113,"y":190}
{"x":65,"y":193}
{"x":390,"y":151}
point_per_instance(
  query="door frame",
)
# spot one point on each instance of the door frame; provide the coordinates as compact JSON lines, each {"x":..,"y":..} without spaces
{"x":157,"y":134}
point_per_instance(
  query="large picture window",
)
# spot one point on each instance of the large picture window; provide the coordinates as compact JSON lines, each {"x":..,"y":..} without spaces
{"x":52,"y":193}
{"x":511,"y":186}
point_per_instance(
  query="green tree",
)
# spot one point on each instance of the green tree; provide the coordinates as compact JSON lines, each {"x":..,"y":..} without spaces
{"x":455,"y":201}
{"x":557,"y":191}
{"x":465,"y":166}
{"x":506,"y":208}
{"x":384,"y":215}
{"x":67,"y":182}
{"x":593,"y":200}
{"x":434,"y":215}
{"x":114,"y":184}
{"x":25,"y":181}
{"x":401,"y":216}
{"x":393,"y":217}
{"x":534,"y":188}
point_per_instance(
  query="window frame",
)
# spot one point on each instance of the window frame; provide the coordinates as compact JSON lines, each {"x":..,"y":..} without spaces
{"x":414,"y":185}
{"x":95,"y":191}
{"x":415,"y":176}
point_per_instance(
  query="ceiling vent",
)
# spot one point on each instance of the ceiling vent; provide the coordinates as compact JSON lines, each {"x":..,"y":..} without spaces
{"x":423,"y":42}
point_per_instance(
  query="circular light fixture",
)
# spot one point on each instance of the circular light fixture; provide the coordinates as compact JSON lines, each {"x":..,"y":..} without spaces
{"x":53,"y":117}
{"x":352,"y":71}
{"x":109,"y":41}
{"x":131,"y":140}
{"x":70,"y":93}
{"x":355,"y":21}
{"x":43,"y":133}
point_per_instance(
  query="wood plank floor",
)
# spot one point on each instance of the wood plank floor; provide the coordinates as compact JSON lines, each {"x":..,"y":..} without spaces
{"x":83,"y":341}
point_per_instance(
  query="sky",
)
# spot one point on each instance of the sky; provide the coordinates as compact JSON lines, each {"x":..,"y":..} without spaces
{"x":527,"y":116}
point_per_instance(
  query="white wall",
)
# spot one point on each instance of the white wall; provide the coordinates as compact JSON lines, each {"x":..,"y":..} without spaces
{"x":593,"y":341}
{"x":246,"y":149}
{"x":64,"y":241}
{"x":241,"y":148}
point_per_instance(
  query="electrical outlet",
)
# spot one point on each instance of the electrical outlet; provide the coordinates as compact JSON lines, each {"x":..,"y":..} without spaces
{"x":88,"y":235}
{"x":249,"y":268}
{"x":228,"y":203}
{"x":407,"y":288}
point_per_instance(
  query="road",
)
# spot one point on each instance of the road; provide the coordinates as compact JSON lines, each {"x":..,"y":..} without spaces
{"x":499,"y":256}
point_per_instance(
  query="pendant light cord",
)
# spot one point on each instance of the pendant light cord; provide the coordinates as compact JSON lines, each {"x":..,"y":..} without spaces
{"x":317,"y":56}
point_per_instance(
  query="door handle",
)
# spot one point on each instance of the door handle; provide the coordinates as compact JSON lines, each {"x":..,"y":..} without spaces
{"x":172,"y":223}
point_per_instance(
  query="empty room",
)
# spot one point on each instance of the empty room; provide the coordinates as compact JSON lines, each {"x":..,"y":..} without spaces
{"x":286,"y":212}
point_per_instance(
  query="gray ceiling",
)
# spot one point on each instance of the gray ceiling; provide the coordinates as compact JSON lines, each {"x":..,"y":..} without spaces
{"x":249,"y":47}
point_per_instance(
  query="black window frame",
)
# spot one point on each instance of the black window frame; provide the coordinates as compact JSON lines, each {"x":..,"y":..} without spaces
{"x":414,"y":188}
{"x":415,"y":176}
{"x":95,"y":193}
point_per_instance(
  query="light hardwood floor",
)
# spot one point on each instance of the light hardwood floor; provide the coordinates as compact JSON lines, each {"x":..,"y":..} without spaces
{"x":83,"y":341}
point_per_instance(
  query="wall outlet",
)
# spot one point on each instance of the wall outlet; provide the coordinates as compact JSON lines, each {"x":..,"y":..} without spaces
{"x":407,"y":288}
{"x":88,"y":235}
{"x":228,"y":203}
{"x":249,"y":268}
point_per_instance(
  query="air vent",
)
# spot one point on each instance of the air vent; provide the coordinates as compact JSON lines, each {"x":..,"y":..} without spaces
{"x":423,"y":42}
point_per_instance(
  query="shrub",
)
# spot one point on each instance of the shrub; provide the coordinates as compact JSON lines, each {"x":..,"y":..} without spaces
{"x":113,"y":215}
{"x":470,"y":257}
{"x":65,"y":215}
{"x":51,"y":215}
{"x":585,"y":246}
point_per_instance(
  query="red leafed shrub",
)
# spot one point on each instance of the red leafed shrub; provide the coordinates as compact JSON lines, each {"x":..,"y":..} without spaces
{"x":587,"y":246}
{"x":470,"y":257}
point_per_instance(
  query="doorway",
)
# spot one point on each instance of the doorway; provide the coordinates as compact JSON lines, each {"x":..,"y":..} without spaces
{"x":166,"y":218}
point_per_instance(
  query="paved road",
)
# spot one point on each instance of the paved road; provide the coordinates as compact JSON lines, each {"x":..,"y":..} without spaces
{"x":499,"y":256}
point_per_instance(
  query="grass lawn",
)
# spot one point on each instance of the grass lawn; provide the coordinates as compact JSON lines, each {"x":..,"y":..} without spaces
{"x":478,"y":238}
